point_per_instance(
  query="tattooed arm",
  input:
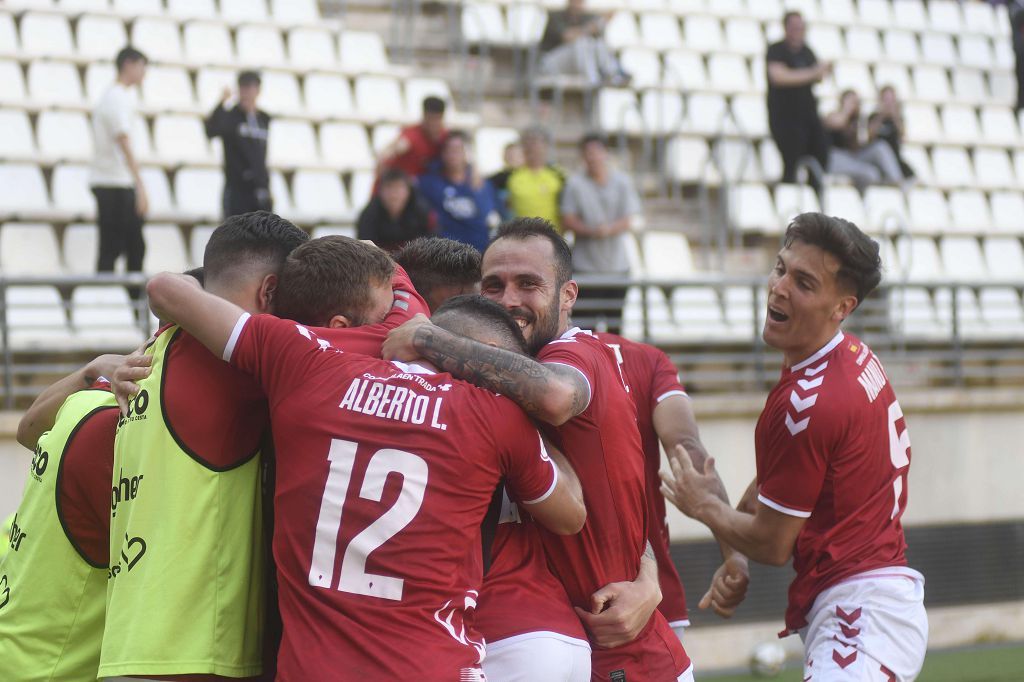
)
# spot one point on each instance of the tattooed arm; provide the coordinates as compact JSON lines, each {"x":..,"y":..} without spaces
{"x":552,"y":393}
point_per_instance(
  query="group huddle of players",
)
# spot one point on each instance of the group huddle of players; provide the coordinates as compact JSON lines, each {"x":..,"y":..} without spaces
{"x":310,"y":480}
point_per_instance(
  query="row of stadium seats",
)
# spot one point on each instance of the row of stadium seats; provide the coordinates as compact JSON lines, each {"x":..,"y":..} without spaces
{"x":101,"y":317}
{"x":195,"y":43}
{"x":284,"y":12}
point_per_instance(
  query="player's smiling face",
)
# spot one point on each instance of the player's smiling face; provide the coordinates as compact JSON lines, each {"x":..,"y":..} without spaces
{"x":805,"y":301}
{"x":520,"y":275}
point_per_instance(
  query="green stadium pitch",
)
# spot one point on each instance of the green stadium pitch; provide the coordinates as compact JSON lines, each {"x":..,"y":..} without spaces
{"x":1002,"y":663}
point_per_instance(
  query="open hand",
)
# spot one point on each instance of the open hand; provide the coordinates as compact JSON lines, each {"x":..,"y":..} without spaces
{"x":687,"y":488}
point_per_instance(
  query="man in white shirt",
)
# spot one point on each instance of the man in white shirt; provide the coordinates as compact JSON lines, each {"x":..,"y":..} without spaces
{"x":121,"y":201}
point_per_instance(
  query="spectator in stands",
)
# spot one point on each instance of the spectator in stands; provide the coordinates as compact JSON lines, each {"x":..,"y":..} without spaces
{"x":441,"y":268}
{"x":1016,"y":10}
{"x":572,"y":44}
{"x":792,"y":107}
{"x":599,"y":206}
{"x":886,"y":123}
{"x":243,"y":130}
{"x":396,"y":214}
{"x":466,"y":209}
{"x":513,"y":157}
{"x":121,"y":201}
{"x":535,"y":188}
{"x":417,"y":145}
{"x":865,"y":165}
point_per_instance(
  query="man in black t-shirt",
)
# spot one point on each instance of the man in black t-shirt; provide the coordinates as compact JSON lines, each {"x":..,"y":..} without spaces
{"x":792,"y":107}
{"x":243,"y":130}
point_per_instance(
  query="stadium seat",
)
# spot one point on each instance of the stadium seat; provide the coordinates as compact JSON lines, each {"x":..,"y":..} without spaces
{"x":931,"y":84}
{"x":970,"y":212}
{"x":197,"y":241}
{"x":1004,"y":258}
{"x":706,"y":113}
{"x":22,"y":191}
{"x":295,"y":11}
{"x":526,"y":23}
{"x":210,"y":84}
{"x":280,"y":194}
{"x":192,"y":9}
{"x":969,"y":322}
{"x":81,"y":248}
{"x":703,"y":34}
{"x":827,"y":41}
{"x":16,"y":138}
{"x":1018,"y":163}
{"x":922,"y":123}
{"x":621,"y":31}
{"x":919,"y":259}
{"x":938,"y":49}
{"x":142,"y":143}
{"x":735,"y":160}
{"x":962,"y":260}
{"x":698,"y":313}
{"x":379,"y":98}
{"x":362,"y":52}
{"x":239,"y":11}
{"x":790,"y":201}
{"x":178,"y":138}
{"x":328,"y":230}
{"x":1007,"y":209}
{"x":666,"y":255}
{"x":862,"y":43}
{"x":969,"y":86}
{"x":771,"y":161}
{"x":312,"y":48}
{"x":329,"y":96}
{"x":636,"y":261}
{"x":9,"y":46}
{"x":854,"y":76}
{"x":165,"y":249}
{"x":945,"y":16}
{"x":928,"y":211}
{"x":913,"y":315}
{"x":910,"y":15}
{"x":279,"y":93}
{"x":29,"y":249}
{"x":684,"y":70}
{"x":1003,"y":54}
{"x":320,"y":197}
{"x":346,"y":146}
{"x":167,"y":88}
{"x":892,"y":270}
{"x":728,"y":73}
{"x":98,"y":77}
{"x":158,"y":190}
{"x":382,"y":135}
{"x":617,"y":111}
{"x":876,"y":13}
{"x":980,"y":17}
{"x":418,"y":89}
{"x":687,"y":159}
{"x":644,"y":64}
{"x":752,"y":209}
{"x":976,"y":52}
{"x":1001,"y":311}
{"x":54,"y":83}
{"x":999,"y":126}
{"x":763,"y":10}
{"x":886,"y":210}
{"x":661,"y":326}
{"x":361,"y":188}
{"x":72,"y":195}
{"x":660,"y":31}
{"x":161,"y":38}
{"x":744,"y":36}
{"x":260,"y":46}
{"x":102,"y":316}
{"x":199,"y":192}
{"x":960,"y":124}
{"x":845,"y":201}
{"x":46,"y":35}
{"x":993,"y":169}
{"x":750,"y":114}
{"x":483,"y":22}
{"x":917,"y":158}
{"x":741,"y":311}
{"x":894,"y":75}
{"x":135,"y":8}
{"x":1003,"y":88}
{"x":489,"y":148}
{"x":901,"y":47}
{"x":952,"y":167}
{"x":98,"y":36}
{"x":291,"y":143}
{"x":208,"y":42}
{"x":12,"y":84}
{"x":35,"y":318}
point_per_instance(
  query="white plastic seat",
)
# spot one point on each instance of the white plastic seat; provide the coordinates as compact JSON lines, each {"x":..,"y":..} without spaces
{"x":418,"y":89}
{"x":295,"y":11}
{"x":969,"y":211}
{"x":22,"y":190}
{"x":192,"y":9}
{"x":910,"y":15}
{"x":960,"y":124}
{"x":962,"y":260}
{"x":853,"y":76}
{"x":862,"y":43}
{"x":362,"y":52}
{"x":167,"y":88}
{"x":103,"y":315}
{"x":328,"y":96}
{"x":980,"y":17}
{"x":741,"y":313}
{"x":875,"y":13}
{"x":291,"y":143}
{"x":1004,"y":258}
{"x":158,"y":191}
{"x":1018,"y":163}
{"x":210,"y":84}
{"x":617,"y":111}
{"x":312,"y":48}
{"x":379,"y":97}
{"x":666,"y":254}
{"x":1002,"y":88}
{"x":483,"y":22}
{"x":330,"y":230}
{"x":346,"y":146}
{"x":945,"y":16}
{"x":16,"y":138}
{"x":488,"y":149}
{"x":698,"y":313}
{"x":953,"y":167}
{"x":9,"y":44}
{"x":886,"y":209}
{"x":929,"y":213}
{"x":744,"y":36}
{"x":827,"y":41}
{"x":12,"y":83}
{"x":1003,"y":54}
{"x":969,"y":321}
{"x":81,"y":248}
{"x":361,"y":187}
{"x":135,"y":8}
{"x":179,"y":138}
{"x":1001,"y":311}
{"x":644,"y":65}
{"x":1007,"y":209}
{"x":993,"y":169}
{"x":636,"y":261}
{"x":54,"y":83}
{"x":999,"y":126}
{"x":844,"y":202}
{"x":895,"y":76}
{"x":261,"y":46}
{"x":280,"y":194}
{"x":99,"y":36}
{"x":771,"y":161}
{"x":320,"y":197}
{"x":969,"y":86}
{"x":239,"y":11}
{"x":735,"y":161}
{"x":165,"y":249}
{"x":901,"y":46}
{"x":687,"y":159}
{"x":660,"y":325}
{"x":197,"y":241}
{"x":46,"y":35}
{"x":792,"y":200}
{"x":917,"y":158}
{"x":36,"y":318}
{"x":29,"y":249}
{"x":750,"y":114}
{"x":703,"y":33}
{"x":526,"y":23}
{"x":685,"y":71}
{"x":98,"y":77}
{"x":913,"y":314}
{"x":622,"y":31}
{"x":159,"y":37}
{"x":728,"y":73}
{"x":208,"y":42}
{"x":931,"y":84}
{"x":752,"y":208}
{"x":919,"y":258}
{"x":706,"y":113}
{"x":938,"y":49}
{"x":382,"y":135}
{"x":922,"y":123}
{"x":660,"y":31}
{"x":199,"y":192}
{"x":71,"y":192}
{"x":279,"y":93}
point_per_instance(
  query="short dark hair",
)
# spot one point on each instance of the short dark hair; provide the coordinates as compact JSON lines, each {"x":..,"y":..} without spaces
{"x":390,"y":175}
{"x":860,"y":267}
{"x":197,"y":274}
{"x":593,"y":137}
{"x":455,"y":135}
{"x":248,"y":238}
{"x":433,"y":105}
{"x":526,"y":228}
{"x":249,"y":78}
{"x":465,"y":314}
{"x":435,"y":261}
{"x":129,"y":54}
{"x":331,"y":276}
{"x":789,"y":15}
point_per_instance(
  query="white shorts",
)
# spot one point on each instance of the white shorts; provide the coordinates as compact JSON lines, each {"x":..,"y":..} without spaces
{"x":871,"y":627}
{"x":537,"y":656}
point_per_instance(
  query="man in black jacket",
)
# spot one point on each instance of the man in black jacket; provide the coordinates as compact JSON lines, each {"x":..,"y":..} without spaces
{"x":243,"y":130}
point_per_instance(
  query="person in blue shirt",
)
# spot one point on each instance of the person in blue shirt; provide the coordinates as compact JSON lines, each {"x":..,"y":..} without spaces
{"x":466,"y":206}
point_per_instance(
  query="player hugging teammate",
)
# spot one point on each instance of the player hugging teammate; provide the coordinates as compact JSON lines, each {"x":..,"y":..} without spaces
{"x":324,"y":484}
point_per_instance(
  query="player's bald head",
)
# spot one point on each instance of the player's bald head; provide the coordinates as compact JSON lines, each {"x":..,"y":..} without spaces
{"x":480,"y":319}
{"x":250,"y":245}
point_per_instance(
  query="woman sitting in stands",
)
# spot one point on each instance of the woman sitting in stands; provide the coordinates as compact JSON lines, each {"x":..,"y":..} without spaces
{"x":871,"y":164}
{"x":396,"y":214}
{"x":886,"y":123}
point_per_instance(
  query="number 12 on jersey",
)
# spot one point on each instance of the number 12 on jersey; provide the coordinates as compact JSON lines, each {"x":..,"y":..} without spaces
{"x":354,"y":578}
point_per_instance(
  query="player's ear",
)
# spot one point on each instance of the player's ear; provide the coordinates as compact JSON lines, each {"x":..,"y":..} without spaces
{"x":845,"y":308}
{"x":265,"y":293}
{"x":570,"y":291}
{"x":339,"y":322}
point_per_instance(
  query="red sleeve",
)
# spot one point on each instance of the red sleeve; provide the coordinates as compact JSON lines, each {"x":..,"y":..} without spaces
{"x":529,"y":472}
{"x":791,"y":470}
{"x":408,"y":301}
{"x":278,"y":354}
{"x":664,"y":376}
{"x":579,"y":355}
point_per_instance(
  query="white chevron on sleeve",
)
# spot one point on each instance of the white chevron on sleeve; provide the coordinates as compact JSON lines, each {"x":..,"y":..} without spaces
{"x":802,"y":404}
{"x":796,"y":427}
{"x":811,"y":371}
{"x":808,"y":384}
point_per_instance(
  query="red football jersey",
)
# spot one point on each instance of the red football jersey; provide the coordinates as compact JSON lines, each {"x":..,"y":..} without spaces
{"x":833,"y":447}
{"x":384,"y":474}
{"x":651,"y":378}
{"x":603,"y":445}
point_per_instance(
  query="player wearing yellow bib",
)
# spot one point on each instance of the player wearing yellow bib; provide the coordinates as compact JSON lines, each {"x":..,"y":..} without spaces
{"x":53,"y":577}
{"x":186,"y":589}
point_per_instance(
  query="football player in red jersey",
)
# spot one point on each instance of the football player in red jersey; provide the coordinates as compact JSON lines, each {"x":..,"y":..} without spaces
{"x":376,"y":580}
{"x":576,"y":389}
{"x":665,"y":418}
{"x":833,"y":454}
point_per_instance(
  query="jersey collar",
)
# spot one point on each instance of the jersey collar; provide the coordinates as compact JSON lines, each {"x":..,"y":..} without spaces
{"x":825,"y":350}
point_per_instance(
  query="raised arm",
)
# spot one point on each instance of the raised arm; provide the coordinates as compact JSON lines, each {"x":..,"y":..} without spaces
{"x":552,"y":393}
{"x":180,"y":299}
